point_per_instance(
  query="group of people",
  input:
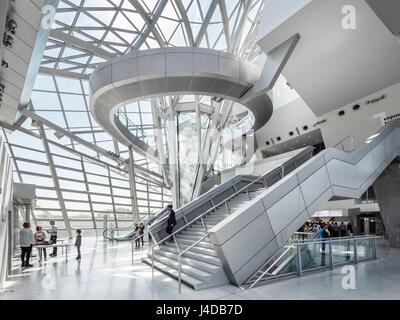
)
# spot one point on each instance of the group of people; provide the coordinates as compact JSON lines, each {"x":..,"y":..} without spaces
{"x":28,"y":240}
{"x":330,"y":229}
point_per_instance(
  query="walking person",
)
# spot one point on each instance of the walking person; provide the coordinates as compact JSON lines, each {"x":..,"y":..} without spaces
{"x":53,"y":237}
{"x":78,"y":243}
{"x":171,"y":221}
{"x":39,"y":238}
{"x":26,"y":243}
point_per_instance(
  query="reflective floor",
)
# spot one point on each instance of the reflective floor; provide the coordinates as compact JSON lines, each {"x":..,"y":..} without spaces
{"x":106,"y":272}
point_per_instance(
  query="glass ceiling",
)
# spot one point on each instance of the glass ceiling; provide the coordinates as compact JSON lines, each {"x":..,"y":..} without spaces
{"x":89,"y":184}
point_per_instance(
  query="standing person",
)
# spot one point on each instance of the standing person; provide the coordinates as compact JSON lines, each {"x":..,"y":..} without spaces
{"x":26,"y":243}
{"x":342,"y":230}
{"x":78,"y":243}
{"x":137,"y":241}
{"x":141,"y":232}
{"x":350,"y":229}
{"x":39,"y":238}
{"x":171,"y":221}
{"x":149,"y":232}
{"x":324,"y":234}
{"x":53,"y":237}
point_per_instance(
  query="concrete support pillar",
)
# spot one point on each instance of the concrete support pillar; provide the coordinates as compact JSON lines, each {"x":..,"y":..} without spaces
{"x":28,"y":209}
{"x":387,"y":190}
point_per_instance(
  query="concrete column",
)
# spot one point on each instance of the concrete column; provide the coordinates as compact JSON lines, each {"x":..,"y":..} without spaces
{"x":28,"y":213}
{"x":387,"y":190}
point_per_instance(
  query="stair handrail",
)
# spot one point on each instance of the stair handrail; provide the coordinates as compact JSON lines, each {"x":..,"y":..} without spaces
{"x":200,"y":217}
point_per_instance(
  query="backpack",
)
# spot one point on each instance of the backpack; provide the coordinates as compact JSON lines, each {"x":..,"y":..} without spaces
{"x":325,"y":234}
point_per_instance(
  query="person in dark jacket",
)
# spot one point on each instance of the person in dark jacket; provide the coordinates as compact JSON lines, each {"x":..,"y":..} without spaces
{"x":141,"y":232}
{"x":171,"y":221}
{"x":78,"y":243}
{"x":137,"y":241}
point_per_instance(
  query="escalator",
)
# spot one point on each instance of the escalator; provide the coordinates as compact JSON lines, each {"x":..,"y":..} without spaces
{"x":129,"y":233}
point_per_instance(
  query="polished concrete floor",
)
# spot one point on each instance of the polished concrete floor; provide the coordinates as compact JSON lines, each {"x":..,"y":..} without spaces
{"x":106,"y":272}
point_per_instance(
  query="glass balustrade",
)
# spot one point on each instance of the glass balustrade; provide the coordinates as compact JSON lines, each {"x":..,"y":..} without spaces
{"x":134,"y":129}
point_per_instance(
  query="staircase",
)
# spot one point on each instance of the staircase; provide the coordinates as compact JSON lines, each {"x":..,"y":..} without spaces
{"x":201,"y":267}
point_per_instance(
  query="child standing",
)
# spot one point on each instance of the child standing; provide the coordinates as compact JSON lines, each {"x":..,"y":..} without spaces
{"x":78,"y":243}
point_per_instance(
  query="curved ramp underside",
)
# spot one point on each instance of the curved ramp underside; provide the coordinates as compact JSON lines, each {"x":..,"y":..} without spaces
{"x":249,"y":237}
{"x":172,"y":71}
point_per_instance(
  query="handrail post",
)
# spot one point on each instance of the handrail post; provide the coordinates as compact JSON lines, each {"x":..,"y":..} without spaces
{"x":299,"y":268}
{"x":248,"y":194}
{"x":204,"y":225}
{"x":180,"y":273}
{"x":227,"y":207}
{"x":374,"y":255}
{"x":355,"y":251}
{"x":152,"y":261}
{"x":331,"y":264}
{"x":132,"y":251}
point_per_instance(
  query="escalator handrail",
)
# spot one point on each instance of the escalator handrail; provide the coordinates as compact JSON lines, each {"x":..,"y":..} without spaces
{"x":156,"y":217}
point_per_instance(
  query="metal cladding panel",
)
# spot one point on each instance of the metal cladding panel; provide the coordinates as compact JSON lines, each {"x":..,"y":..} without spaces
{"x":282,"y":213}
{"x":230,"y":226}
{"x":205,"y":63}
{"x":276,"y":192}
{"x":316,"y":204}
{"x":255,"y":262}
{"x":126,"y":91}
{"x":179,"y":64}
{"x":229,"y":66}
{"x":365,"y":167}
{"x":378,"y":154}
{"x":202,"y":84}
{"x":126,"y":70}
{"x":179,"y":84}
{"x":310,"y":167}
{"x":321,"y":179}
{"x":153,"y":87}
{"x":283,"y":236}
{"x":237,"y":250}
{"x":343,"y":174}
{"x":101,"y":79}
{"x":151,"y":66}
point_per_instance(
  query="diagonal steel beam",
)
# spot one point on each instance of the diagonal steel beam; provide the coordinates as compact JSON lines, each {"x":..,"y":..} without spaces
{"x":151,"y":23}
{"x":88,"y":192}
{"x":205,"y":23}
{"x":185,"y":21}
{"x":132,"y":184}
{"x":63,"y":73}
{"x":225,"y":22}
{"x":55,"y":179}
{"x":71,"y":41}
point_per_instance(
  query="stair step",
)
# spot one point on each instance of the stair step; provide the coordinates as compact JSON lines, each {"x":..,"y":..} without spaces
{"x":205,"y":256}
{"x":202,"y":244}
{"x":186,"y":269}
{"x":202,"y":250}
{"x":191,"y":237}
{"x":187,"y":280}
{"x":193,"y":232}
{"x":190,"y":261}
